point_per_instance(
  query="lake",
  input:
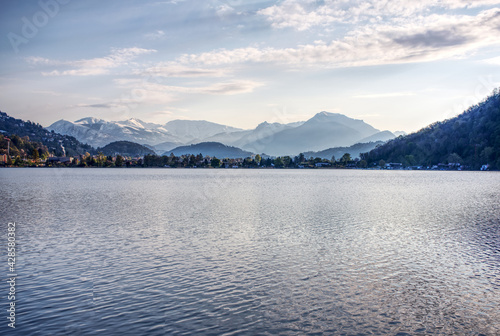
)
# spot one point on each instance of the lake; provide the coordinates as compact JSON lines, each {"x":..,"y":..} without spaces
{"x":252,"y":252}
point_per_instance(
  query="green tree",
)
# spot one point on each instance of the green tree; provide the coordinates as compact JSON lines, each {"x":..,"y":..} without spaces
{"x":454,"y":158}
{"x":287,"y":161}
{"x":410,"y":159}
{"x":363,"y":164}
{"x":36,"y":155}
{"x":247,"y":162}
{"x":258,"y":158}
{"x":199,"y":159}
{"x":381,"y":163}
{"x":119,"y":161}
{"x":90,"y":161}
{"x":346,"y":158}
{"x":215,"y":162}
{"x":101,"y":158}
{"x":192,"y":160}
{"x":487,"y":155}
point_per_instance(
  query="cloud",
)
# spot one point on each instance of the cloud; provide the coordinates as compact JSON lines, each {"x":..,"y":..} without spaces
{"x":34,"y":60}
{"x":224,"y":10}
{"x":419,"y":39}
{"x":470,"y":3}
{"x":230,"y":88}
{"x":93,"y":66}
{"x":101,"y":105}
{"x":221,"y":88}
{"x":177,"y":70}
{"x":306,"y":14}
{"x":162,"y":113}
{"x":433,"y":39}
{"x":292,"y":13}
{"x":137,"y":91}
{"x":155,"y":35}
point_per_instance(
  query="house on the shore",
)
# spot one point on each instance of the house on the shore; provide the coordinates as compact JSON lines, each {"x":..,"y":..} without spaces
{"x":62,"y":159}
{"x":394,"y":165}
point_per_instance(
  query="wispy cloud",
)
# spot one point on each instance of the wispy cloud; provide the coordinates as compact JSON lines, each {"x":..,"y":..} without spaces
{"x":155,"y":35}
{"x":221,"y":88}
{"x":300,"y":15}
{"x":90,"y":67}
{"x":173,"y":69}
{"x":99,"y":106}
{"x":224,"y":10}
{"x":306,"y":14}
{"x":140,"y":91}
{"x":230,"y":88}
{"x":174,"y":2}
{"x":424,"y":38}
{"x":36,"y":60}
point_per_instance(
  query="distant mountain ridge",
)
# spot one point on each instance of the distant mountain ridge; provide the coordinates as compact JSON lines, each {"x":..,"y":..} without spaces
{"x":212,"y":149}
{"x":324,"y":130}
{"x":354,"y":150}
{"x":126,"y":148}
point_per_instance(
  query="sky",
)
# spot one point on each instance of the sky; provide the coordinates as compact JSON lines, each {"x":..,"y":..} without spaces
{"x":398,"y":65}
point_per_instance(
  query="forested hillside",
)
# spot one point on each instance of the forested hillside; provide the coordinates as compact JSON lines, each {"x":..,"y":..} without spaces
{"x":471,"y":139}
{"x":211,"y":149}
{"x":23,"y":148}
{"x":126,"y":148}
{"x":57,"y":144}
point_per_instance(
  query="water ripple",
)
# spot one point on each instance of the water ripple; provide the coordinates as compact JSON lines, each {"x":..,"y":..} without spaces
{"x":215,"y":252}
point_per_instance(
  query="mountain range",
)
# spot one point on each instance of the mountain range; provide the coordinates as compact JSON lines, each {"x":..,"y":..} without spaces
{"x":324,"y":130}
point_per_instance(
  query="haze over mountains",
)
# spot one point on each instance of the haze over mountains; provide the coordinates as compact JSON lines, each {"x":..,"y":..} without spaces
{"x":324,"y":130}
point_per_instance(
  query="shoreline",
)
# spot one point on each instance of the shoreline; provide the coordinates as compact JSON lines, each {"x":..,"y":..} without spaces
{"x":253,"y":168}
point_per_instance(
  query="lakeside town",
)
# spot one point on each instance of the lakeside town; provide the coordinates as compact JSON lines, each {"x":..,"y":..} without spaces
{"x":199,"y":161}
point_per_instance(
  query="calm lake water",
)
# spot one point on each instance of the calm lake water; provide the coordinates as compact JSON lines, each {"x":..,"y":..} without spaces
{"x":252,"y":252}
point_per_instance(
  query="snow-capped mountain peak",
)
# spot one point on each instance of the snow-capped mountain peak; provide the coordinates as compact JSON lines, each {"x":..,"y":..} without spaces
{"x":89,"y":121}
{"x":324,"y":130}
